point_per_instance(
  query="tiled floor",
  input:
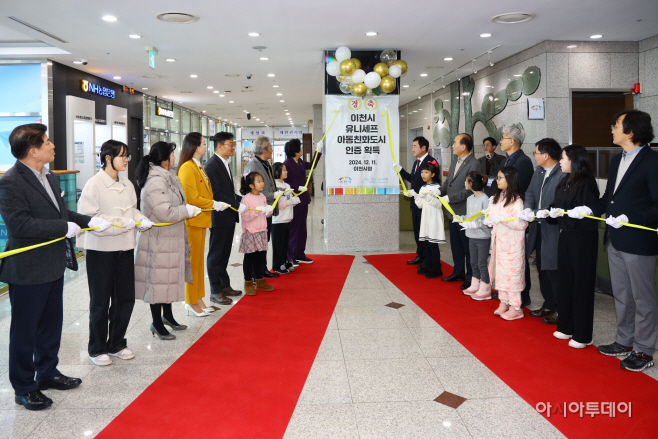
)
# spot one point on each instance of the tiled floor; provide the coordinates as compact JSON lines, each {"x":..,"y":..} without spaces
{"x":377,"y":373}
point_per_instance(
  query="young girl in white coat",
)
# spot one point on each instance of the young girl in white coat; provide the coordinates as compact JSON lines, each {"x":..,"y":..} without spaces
{"x":431,"y":232}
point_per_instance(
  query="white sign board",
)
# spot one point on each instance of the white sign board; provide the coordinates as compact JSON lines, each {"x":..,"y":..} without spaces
{"x":358,"y":147}
{"x":252,"y":133}
{"x":535,"y":108}
{"x":288,"y":132}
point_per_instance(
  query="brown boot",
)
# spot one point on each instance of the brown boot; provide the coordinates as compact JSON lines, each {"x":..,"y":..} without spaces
{"x":261,"y":285}
{"x":249,"y":288}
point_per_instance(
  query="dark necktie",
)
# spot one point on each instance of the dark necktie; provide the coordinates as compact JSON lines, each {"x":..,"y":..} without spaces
{"x":415,"y":166}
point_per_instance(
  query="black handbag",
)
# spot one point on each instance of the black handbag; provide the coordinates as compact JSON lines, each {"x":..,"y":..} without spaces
{"x":71,"y":260}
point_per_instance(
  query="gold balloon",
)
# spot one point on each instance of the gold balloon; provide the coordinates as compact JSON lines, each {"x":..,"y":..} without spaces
{"x":402,"y":64}
{"x":359,"y":89}
{"x":347,"y":67}
{"x":381,"y":69}
{"x":387,"y":85}
{"x":357,"y":63}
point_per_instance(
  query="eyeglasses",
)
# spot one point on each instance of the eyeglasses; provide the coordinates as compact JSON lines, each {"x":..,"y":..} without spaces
{"x":505,"y":138}
{"x":500,"y":178}
{"x":125,"y":157}
{"x":536,"y":153}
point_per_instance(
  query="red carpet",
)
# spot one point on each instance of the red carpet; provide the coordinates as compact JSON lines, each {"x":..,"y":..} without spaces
{"x":526,"y":356}
{"x":254,"y":360}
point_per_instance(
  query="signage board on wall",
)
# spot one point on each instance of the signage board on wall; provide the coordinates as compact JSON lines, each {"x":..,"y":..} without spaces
{"x":164,"y":112}
{"x":252,"y":133}
{"x":288,"y":132}
{"x":90,"y":87}
{"x":358,"y":148}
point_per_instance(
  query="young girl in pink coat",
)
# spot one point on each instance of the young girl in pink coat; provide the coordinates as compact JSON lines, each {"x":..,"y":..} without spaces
{"x":507,"y":265}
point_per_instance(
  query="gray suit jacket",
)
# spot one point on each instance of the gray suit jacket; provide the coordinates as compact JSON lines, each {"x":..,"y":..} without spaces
{"x":255,"y":165}
{"x":550,"y":233}
{"x":454,"y":188}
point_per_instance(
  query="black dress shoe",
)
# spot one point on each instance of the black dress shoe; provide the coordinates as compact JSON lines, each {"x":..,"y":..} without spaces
{"x":433,"y":274}
{"x":60,"y":382}
{"x":541,"y":312}
{"x":453,"y":278}
{"x":422,"y":269}
{"x":221,"y":299}
{"x":415,"y":261}
{"x":228,"y":291}
{"x":466,"y":285}
{"x":34,"y":400}
{"x":270,"y":274}
{"x":551,"y":319}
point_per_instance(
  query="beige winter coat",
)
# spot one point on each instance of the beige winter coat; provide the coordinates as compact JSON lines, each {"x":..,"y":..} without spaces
{"x":162,"y":259}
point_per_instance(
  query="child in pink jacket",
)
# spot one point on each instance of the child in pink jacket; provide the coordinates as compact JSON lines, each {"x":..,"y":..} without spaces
{"x":507,"y":265}
{"x":254,"y":233}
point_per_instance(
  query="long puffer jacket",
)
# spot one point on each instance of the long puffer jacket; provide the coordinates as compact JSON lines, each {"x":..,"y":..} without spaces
{"x":162,"y":259}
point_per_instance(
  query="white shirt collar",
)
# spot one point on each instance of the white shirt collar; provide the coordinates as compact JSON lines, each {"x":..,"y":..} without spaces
{"x":222,"y":159}
{"x":196,"y":161}
{"x":423,"y":157}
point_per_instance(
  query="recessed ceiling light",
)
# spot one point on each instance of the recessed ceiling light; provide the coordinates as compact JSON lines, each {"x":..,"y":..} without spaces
{"x":216,"y":91}
{"x":253,"y":34}
{"x":275,"y":86}
{"x":77,"y":62}
{"x":230,"y":102}
{"x":371,"y":34}
{"x":165,"y":96}
{"x":597,"y":36}
{"x":116,"y":77}
{"x":144,"y":88}
{"x":109,"y":18}
{"x":264,"y":58}
{"x":257,"y":119}
{"x":279,"y":94}
{"x":210,"y":87}
{"x":221,"y":96}
{"x":170,"y":60}
{"x":447,"y":59}
{"x":271,"y":75}
{"x":423,"y":74}
{"x":485,"y":35}
{"x":572,"y":46}
{"x":281,"y":100}
{"x":203,"y":111}
{"x":512,"y":18}
{"x":518,"y":76}
{"x":405,"y":86}
{"x":194,"y":76}
{"x":135,"y":36}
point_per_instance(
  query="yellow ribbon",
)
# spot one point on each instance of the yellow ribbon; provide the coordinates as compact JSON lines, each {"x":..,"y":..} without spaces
{"x":390,"y":139}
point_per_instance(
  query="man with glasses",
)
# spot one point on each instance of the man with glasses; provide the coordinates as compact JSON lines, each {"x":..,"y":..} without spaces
{"x":490,"y":162}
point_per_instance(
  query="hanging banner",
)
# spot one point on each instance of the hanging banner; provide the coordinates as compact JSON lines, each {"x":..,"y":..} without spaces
{"x":252,"y":133}
{"x":358,"y":149}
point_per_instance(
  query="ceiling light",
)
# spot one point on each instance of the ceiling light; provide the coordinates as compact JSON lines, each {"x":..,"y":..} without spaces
{"x":77,"y":62}
{"x":275,"y":86}
{"x":512,"y":17}
{"x":423,"y":74}
{"x":194,"y":76}
{"x":264,"y":58}
{"x":257,"y":119}
{"x":447,"y":59}
{"x":170,"y":60}
{"x":271,"y":75}
{"x":405,"y":86}
{"x":253,"y":34}
{"x":231,"y":102}
{"x":281,"y":100}
{"x":371,"y":34}
{"x":210,"y":87}
{"x":572,"y":46}
{"x":518,"y":76}
{"x":109,"y":18}
{"x":485,"y":35}
{"x":116,"y":77}
{"x":165,"y":96}
{"x":216,"y":91}
{"x":203,"y":111}
{"x":279,"y":94}
{"x":262,"y":122}
{"x":177,"y":17}
{"x":144,"y":88}
{"x":221,"y":96}
{"x":595,"y":37}
{"x":135,"y":36}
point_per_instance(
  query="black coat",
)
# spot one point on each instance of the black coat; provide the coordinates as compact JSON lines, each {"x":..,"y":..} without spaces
{"x":414,"y":178}
{"x":637,"y":198}
{"x":586,"y":193}
{"x":222,"y":190}
{"x":31,"y":218}
{"x":522,"y":163}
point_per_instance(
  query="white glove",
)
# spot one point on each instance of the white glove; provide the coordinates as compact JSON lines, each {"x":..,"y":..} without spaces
{"x":525,"y":215}
{"x":294,"y":201}
{"x":131,"y":224}
{"x":487,"y":222}
{"x":496,"y":220}
{"x":242,"y":209}
{"x":396,"y":166}
{"x":319,"y":146}
{"x":577,"y":211}
{"x":302,"y":189}
{"x":457,"y":219}
{"x":259,"y":208}
{"x":424,"y":190}
{"x":614,"y":222}
{"x":277,"y":193}
{"x":145,"y":225}
{"x":410,"y":193}
{"x":445,"y":197}
{"x":192,"y":211}
{"x":542,"y":213}
{"x":469,"y":225}
{"x":555,"y":212}
{"x":74,"y":230}
{"x":100,"y":223}
{"x":219,"y":206}
{"x":268,"y":209}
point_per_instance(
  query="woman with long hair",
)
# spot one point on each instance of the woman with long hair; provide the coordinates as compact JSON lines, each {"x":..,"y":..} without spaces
{"x":198,"y":192}
{"x":162,"y":261}
{"x":577,"y":247}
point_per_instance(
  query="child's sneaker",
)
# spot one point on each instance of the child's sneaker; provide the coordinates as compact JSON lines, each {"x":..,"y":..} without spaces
{"x":475,"y":286}
{"x":502,"y":309}
{"x":512,"y":314}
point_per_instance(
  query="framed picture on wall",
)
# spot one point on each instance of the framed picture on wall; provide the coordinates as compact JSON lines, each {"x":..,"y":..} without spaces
{"x":535,"y":108}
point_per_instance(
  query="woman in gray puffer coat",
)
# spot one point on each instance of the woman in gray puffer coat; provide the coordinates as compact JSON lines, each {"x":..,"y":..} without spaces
{"x":162,"y":259}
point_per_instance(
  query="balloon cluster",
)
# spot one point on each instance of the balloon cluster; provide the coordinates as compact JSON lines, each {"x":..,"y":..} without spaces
{"x":356,"y":81}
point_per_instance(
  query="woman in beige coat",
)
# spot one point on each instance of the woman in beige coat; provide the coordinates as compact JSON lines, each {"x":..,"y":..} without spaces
{"x":162,"y":260}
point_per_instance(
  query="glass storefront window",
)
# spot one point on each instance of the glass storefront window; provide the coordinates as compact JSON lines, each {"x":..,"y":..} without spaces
{"x":204,"y":126}
{"x":185,"y":119}
{"x":175,"y":122}
{"x":195,"y":123}
{"x":158,"y":122}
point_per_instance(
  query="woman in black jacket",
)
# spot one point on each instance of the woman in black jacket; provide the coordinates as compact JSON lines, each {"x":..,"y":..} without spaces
{"x":577,"y":247}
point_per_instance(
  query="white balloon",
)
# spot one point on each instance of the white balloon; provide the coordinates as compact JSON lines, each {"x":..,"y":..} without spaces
{"x":372,"y":80}
{"x":343,"y":53}
{"x":333,"y":68}
{"x":394,"y":71}
{"x":358,"y":76}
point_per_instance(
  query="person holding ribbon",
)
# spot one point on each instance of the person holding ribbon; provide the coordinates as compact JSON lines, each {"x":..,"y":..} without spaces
{"x":162,"y":260}
{"x":281,"y":222}
{"x":34,"y":212}
{"x":110,"y":254}
{"x":479,"y":236}
{"x":297,"y":168}
{"x":431,"y":232}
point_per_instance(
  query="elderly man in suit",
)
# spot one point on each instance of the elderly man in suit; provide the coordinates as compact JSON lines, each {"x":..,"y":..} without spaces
{"x":490,"y":162}
{"x":419,"y":148}
{"x":455,"y":194}
{"x":543,"y":236}
{"x":260,"y":164}
{"x":34,"y":212}
{"x":223,"y":222}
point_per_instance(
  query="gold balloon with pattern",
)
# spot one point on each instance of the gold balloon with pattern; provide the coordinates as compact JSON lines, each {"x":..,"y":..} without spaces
{"x":388,"y":84}
{"x":347,"y":67}
{"x":402,"y":64}
{"x":359,"y":89}
{"x":357,"y":63}
{"x":381,"y":69}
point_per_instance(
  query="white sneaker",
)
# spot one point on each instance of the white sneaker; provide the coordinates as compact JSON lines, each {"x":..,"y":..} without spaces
{"x":124,"y":354}
{"x":574,"y":344}
{"x":561,"y":336}
{"x":101,"y":360}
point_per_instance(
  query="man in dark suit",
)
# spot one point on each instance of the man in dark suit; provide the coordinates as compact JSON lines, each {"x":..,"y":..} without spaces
{"x":490,"y":162}
{"x":223,"y":222}
{"x":631,"y":196}
{"x":455,"y":193}
{"x":34,"y":212}
{"x":419,"y":148}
